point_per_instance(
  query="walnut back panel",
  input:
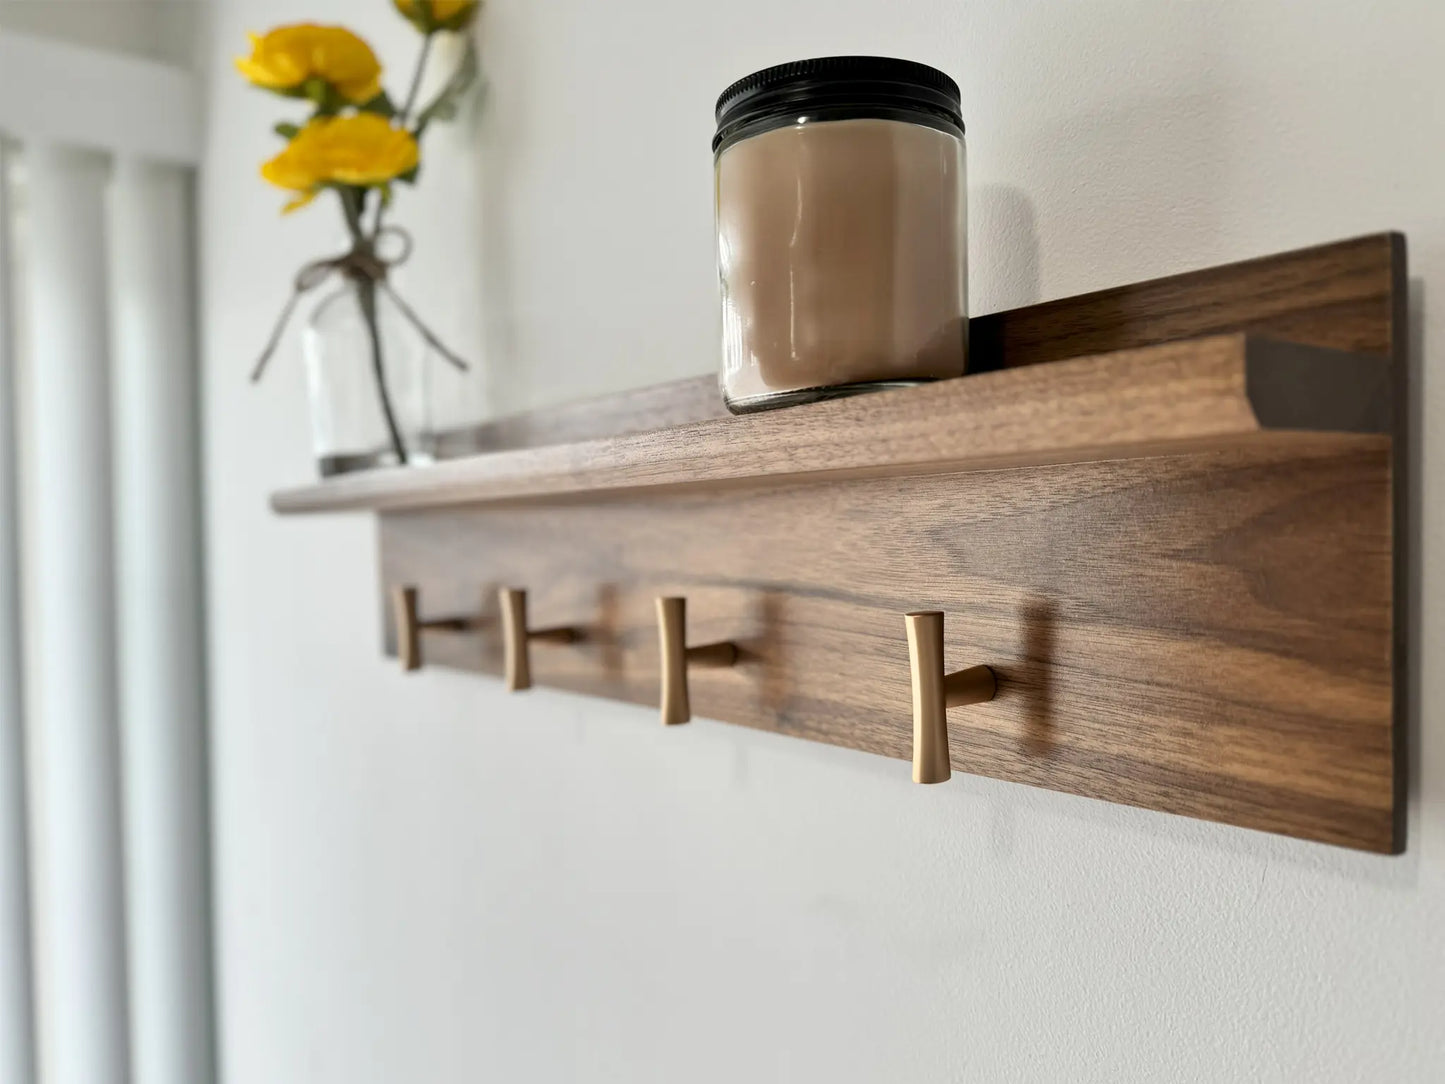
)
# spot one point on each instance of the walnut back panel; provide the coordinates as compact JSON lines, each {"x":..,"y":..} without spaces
{"x":1205,"y":634}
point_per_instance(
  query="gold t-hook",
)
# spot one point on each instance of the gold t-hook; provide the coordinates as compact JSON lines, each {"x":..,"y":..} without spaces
{"x":934,"y":692}
{"x":677,"y":657}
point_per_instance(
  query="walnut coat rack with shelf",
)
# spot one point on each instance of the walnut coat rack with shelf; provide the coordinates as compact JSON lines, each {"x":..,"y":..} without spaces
{"x":1165,"y":520}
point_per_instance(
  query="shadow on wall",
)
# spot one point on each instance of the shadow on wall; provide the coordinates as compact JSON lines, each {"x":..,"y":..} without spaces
{"x":1123,"y":149}
{"x":1411,"y":553}
{"x":1003,"y":249}
{"x":1116,"y":188}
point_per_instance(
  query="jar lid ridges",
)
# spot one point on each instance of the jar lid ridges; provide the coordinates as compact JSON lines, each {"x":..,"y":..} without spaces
{"x":835,"y":88}
{"x":886,"y":68}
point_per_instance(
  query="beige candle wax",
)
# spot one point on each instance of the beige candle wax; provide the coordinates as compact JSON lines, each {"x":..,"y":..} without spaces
{"x":842,"y":257}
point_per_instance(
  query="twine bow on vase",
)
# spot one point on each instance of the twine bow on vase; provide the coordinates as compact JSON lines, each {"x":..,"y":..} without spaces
{"x":367,"y":269}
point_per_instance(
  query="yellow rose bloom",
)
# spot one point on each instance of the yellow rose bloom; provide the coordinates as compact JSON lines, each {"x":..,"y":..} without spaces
{"x":364,"y":149}
{"x":429,"y":15}
{"x":289,"y":57}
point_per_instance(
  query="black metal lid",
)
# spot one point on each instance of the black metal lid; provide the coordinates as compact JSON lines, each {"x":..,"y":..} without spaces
{"x":837,"y":88}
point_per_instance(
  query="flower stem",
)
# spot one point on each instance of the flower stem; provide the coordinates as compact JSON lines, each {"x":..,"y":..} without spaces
{"x":411,"y":94}
{"x":366,"y":295}
{"x":353,"y":203}
{"x":405,"y":115}
{"x":352,"y":206}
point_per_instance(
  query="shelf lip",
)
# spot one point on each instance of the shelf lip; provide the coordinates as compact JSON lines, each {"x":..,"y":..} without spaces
{"x":1220,"y":391}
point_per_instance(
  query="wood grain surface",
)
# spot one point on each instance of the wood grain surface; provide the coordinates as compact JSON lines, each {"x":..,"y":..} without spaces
{"x":1341,"y":295}
{"x":660,"y":406}
{"x":1127,"y":403}
{"x":1206,"y":634}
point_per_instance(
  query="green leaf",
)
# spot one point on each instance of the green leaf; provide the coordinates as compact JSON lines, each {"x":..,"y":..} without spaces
{"x":287,"y":130}
{"x":381,"y":105}
{"x":410,"y":176}
{"x":327,"y":100}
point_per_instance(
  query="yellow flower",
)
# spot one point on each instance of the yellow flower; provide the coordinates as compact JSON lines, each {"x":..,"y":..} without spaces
{"x":429,"y":15}
{"x":289,"y":57}
{"x":363,"y":149}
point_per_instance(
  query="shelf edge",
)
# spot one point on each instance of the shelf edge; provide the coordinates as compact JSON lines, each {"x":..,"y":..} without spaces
{"x":1218,"y":391}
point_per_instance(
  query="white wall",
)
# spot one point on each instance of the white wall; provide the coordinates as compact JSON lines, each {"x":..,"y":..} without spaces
{"x":156,"y":29}
{"x":422,"y":879}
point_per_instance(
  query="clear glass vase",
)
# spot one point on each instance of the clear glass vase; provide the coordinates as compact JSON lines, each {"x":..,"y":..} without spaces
{"x":367,"y":410}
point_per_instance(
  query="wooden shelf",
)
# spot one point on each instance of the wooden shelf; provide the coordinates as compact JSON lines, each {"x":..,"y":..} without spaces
{"x":1169,"y":517}
{"x":1218,"y":391}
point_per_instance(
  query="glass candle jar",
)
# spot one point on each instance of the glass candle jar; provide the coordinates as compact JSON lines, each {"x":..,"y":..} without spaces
{"x":842,"y":230}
